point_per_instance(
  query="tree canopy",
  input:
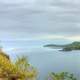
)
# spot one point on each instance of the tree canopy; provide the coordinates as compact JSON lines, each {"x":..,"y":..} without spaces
{"x":61,"y":76}
{"x":19,"y":70}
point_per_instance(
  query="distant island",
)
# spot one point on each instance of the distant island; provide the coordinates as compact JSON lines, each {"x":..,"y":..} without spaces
{"x":67,"y":47}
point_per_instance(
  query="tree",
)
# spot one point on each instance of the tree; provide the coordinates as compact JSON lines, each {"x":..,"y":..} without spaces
{"x":61,"y":76}
{"x":21,"y":69}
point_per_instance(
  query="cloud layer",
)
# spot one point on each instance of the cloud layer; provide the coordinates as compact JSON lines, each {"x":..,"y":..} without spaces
{"x":28,"y":19}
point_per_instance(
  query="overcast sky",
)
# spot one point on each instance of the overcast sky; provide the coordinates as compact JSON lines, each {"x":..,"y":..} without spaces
{"x":39,"y":19}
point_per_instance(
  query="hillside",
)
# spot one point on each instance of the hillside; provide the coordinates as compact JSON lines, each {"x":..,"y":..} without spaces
{"x":68,"y":47}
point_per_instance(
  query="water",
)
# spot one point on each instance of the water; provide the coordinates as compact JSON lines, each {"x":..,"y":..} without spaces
{"x":50,"y":60}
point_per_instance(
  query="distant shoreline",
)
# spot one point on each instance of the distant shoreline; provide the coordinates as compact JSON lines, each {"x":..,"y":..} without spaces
{"x":68,"y":47}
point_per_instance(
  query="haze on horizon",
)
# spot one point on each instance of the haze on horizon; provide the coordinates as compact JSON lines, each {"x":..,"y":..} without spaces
{"x":39,"y":19}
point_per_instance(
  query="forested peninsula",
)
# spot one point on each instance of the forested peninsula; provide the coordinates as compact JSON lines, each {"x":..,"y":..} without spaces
{"x":67,"y":47}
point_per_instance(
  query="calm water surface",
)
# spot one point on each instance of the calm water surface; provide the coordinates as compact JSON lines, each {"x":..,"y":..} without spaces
{"x":50,"y":60}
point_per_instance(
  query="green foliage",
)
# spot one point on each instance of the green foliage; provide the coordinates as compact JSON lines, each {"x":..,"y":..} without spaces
{"x":67,"y":47}
{"x":20,"y":70}
{"x":61,"y":76}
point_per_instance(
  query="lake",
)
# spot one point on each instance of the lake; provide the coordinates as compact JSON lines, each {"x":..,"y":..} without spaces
{"x":50,"y":60}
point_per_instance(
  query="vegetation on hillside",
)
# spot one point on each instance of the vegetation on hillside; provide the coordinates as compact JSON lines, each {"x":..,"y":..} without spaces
{"x":67,"y":47}
{"x":20,"y":70}
{"x":61,"y":76}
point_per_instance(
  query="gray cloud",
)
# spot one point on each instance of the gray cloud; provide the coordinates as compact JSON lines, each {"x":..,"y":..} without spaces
{"x":26,"y":18}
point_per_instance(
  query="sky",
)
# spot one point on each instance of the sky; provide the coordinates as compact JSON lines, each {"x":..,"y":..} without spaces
{"x":40,"y":19}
